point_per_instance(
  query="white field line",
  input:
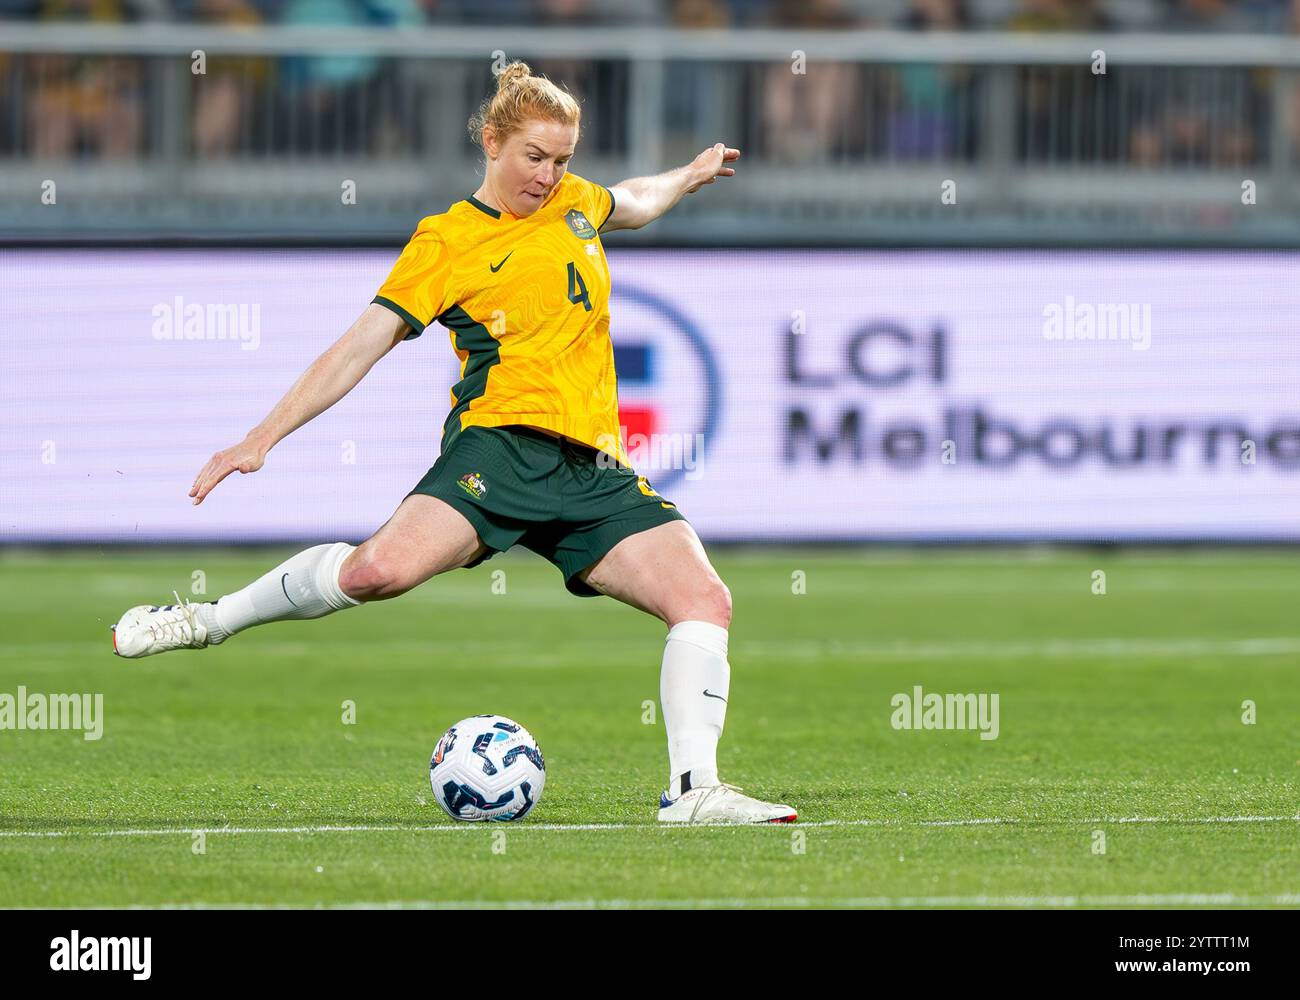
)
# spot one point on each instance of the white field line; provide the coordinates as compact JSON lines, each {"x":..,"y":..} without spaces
{"x":573,"y":827}
{"x":1024,"y":649}
{"x":1225,"y":899}
{"x":752,"y":649}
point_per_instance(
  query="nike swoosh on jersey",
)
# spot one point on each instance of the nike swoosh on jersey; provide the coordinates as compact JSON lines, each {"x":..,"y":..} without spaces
{"x":497,"y":267}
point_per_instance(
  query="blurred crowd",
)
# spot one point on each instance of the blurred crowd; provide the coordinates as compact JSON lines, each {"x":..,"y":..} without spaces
{"x":67,"y":105}
{"x":1161,"y":15}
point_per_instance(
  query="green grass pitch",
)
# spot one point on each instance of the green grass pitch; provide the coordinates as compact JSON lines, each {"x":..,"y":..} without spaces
{"x":1120,"y":713}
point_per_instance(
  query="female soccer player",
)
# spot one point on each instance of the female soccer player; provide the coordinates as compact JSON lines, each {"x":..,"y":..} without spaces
{"x":531,"y":451}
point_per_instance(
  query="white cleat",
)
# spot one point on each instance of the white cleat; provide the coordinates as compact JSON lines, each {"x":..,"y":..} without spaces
{"x":718,"y":804}
{"x":150,"y":629}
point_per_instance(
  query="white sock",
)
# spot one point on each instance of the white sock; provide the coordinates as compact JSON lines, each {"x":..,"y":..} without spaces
{"x":304,"y":586}
{"x":695,"y":662}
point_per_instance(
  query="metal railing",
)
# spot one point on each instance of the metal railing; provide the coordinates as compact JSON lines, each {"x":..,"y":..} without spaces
{"x":863,"y":136}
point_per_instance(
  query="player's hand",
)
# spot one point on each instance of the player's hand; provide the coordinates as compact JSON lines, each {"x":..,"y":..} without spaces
{"x":712,"y":164}
{"x":245,"y":457}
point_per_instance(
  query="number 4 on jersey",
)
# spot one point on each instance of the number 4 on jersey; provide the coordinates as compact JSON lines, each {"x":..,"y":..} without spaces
{"x":578,"y":288}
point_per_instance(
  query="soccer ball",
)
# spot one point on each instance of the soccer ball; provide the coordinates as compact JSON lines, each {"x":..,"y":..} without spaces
{"x":487,"y":767}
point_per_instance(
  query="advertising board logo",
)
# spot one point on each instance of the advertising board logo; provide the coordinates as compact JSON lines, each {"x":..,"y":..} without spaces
{"x":669,"y":387}
{"x":887,"y":394}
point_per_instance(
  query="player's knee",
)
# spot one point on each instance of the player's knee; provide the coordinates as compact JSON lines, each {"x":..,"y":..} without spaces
{"x":710,"y":602}
{"x":372,"y":576}
{"x":720,"y":598}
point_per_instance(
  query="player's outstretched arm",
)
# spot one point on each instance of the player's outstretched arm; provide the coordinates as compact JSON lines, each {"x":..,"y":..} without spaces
{"x":641,"y":200}
{"x":330,"y":377}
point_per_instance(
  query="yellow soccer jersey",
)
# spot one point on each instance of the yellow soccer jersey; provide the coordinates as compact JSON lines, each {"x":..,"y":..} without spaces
{"x":526,"y":301}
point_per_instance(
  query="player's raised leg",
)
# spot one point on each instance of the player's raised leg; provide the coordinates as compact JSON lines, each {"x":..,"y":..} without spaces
{"x":423,"y":538}
{"x":665,"y":572}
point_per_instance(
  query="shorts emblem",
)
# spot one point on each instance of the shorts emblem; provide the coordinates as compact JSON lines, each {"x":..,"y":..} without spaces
{"x":472,"y":483}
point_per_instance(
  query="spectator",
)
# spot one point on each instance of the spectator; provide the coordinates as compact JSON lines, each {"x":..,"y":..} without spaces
{"x":1203,"y":116}
{"x":332,"y":101}
{"x":19,"y":10}
{"x":1060,"y":15}
{"x":749,"y":13}
{"x":694,"y":89}
{"x":929,"y":108}
{"x":1067,"y":111}
{"x":85,"y":105}
{"x":222,"y":95}
{"x":499,"y":13}
{"x":699,"y":14}
{"x":815,"y":114}
{"x":1219,"y":16}
{"x":598,"y":85}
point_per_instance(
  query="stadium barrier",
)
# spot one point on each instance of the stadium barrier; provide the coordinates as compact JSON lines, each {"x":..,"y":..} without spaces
{"x":850,"y":137}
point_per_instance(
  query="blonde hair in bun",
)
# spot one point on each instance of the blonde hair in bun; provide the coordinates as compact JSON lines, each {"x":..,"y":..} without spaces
{"x":522,"y":97}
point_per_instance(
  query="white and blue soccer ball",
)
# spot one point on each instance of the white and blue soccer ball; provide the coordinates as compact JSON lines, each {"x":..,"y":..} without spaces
{"x":487,"y":767}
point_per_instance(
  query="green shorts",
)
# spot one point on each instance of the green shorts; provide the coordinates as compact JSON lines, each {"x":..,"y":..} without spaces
{"x":568,"y":503}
